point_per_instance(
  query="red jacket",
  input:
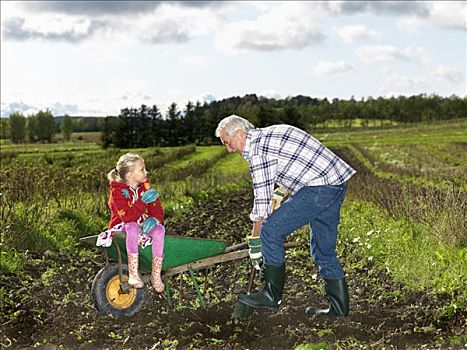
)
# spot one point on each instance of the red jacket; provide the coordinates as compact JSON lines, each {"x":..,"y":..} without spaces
{"x":126,"y":205}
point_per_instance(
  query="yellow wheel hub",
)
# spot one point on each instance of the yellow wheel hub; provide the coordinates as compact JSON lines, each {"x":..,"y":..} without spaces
{"x":116,"y":297}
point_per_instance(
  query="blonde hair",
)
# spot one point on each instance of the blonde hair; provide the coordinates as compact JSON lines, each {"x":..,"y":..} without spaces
{"x":233,"y":123}
{"x":125,"y":165}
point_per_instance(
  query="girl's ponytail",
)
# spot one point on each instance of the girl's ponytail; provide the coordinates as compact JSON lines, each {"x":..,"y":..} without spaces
{"x":114,"y":176}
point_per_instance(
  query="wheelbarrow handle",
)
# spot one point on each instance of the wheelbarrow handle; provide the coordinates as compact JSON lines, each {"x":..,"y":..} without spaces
{"x":235,"y":247}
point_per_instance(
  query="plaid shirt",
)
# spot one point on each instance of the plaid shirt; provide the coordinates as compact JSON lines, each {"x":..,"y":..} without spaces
{"x":291,"y":158}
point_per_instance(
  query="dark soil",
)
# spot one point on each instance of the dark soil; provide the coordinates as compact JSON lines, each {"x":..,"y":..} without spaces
{"x":52,"y":312}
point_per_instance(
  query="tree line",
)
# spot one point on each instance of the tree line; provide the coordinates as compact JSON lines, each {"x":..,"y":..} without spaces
{"x":38,"y":127}
{"x":195,"y":123}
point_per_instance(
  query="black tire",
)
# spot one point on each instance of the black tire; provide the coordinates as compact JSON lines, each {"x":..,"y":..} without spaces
{"x":107,"y":297}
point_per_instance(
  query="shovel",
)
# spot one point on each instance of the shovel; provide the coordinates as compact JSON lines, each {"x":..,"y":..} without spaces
{"x":242,"y":311}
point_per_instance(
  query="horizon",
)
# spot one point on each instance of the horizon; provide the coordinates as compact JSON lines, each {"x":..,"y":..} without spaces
{"x":96,"y":58}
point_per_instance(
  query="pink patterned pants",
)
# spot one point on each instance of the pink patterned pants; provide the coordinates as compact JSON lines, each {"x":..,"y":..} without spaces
{"x":157,"y":235}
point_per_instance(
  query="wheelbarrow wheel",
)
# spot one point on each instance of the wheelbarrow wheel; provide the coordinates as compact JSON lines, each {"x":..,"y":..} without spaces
{"x":108,"y":297}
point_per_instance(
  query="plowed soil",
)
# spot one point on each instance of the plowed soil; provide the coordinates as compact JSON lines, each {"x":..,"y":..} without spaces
{"x":57,"y":311}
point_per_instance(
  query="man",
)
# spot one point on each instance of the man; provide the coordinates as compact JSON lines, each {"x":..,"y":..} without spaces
{"x":316,"y":180}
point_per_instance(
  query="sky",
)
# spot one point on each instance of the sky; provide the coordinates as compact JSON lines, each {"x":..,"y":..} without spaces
{"x":93,"y":58}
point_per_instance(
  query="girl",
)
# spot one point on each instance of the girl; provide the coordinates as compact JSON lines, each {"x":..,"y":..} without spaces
{"x":135,"y":208}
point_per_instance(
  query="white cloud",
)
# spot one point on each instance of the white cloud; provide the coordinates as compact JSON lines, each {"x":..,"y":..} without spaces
{"x":203,"y":97}
{"x":450,"y":15}
{"x":126,"y":86}
{"x":271,"y":94}
{"x":411,"y":14}
{"x":394,"y":84}
{"x":171,"y":22}
{"x":50,"y":28}
{"x":369,"y":54}
{"x":393,"y":81}
{"x":354,"y":33}
{"x":329,"y":67}
{"x":382,"y":53}
{"x":292,"y":25}
{"x":175,"y":93}
{"x":195,"y":60}
{"x":167,"y":24}
{"x":56,"y":108}
{"x":57,"y":25}
{"x":449,"y":74}
{"x":20,"y":106}
{"x":397,"y":8}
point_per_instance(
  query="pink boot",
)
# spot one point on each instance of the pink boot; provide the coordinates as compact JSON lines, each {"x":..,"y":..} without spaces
{"x":156,"y":280}
{"x":133,"y":279}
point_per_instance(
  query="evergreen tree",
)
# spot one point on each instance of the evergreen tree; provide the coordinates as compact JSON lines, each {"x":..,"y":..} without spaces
{"x":202,"y":129}
{"x":174,"y":125}
{"x":157,"y":129}
{"x":266,"y":116}
{"x":143,"y":125}
{"x":292,"y":116}
{"x":125,"y":133}
{"x":189,"y":124}
{"x":109,"y":129}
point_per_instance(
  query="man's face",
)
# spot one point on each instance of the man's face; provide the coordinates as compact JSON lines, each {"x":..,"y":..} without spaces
{"x":234,"y":143}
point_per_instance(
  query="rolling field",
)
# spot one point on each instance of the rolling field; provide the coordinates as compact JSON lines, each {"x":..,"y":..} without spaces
{"x":402,"y":243}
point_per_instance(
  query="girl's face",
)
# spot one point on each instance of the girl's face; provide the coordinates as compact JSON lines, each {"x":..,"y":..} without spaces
{"x":137,"y":175}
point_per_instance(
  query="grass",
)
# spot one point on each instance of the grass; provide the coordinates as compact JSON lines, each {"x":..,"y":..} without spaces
{"x":454,"y":131}
{"x":232,"y":164}
{"x":407,"y":250}
{"x":434,"y":175}
{"x":311,"y":346}
{"x":33,"y":148}
{"x":200,"y":154}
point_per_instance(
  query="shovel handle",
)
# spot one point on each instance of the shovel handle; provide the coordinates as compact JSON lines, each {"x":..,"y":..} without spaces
{"x":252,"y":277}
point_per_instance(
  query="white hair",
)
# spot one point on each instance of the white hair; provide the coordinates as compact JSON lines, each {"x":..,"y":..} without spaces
{"x":233,"y":123}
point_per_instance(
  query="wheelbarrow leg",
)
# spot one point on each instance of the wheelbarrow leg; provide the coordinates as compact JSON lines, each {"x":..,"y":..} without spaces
{"x":124,"y":286}
{"x":200,"y":297}
{"x":167,"y":292}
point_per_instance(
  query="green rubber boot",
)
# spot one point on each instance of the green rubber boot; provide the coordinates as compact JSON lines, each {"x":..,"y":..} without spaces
{"x":338,"y":296}
{"x":270,"y":297}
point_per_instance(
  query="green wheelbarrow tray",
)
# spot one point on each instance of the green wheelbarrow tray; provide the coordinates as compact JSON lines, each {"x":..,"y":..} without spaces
{"x":180,"y":253}
{"x":177,"y":251}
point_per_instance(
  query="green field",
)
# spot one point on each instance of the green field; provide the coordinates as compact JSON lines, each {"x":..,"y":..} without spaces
{"x":405,"y":213}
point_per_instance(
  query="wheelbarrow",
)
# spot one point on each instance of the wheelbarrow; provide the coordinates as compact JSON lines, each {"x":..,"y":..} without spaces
{"x":110,"y":291}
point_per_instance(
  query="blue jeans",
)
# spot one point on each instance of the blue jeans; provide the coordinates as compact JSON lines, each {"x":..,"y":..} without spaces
{"x":317,"y":206}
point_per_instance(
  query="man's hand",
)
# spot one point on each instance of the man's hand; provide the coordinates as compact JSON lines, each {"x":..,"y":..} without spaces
{"x":149,"y":196}
{"x":277,"y":197}
{"x":256,"y":256}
